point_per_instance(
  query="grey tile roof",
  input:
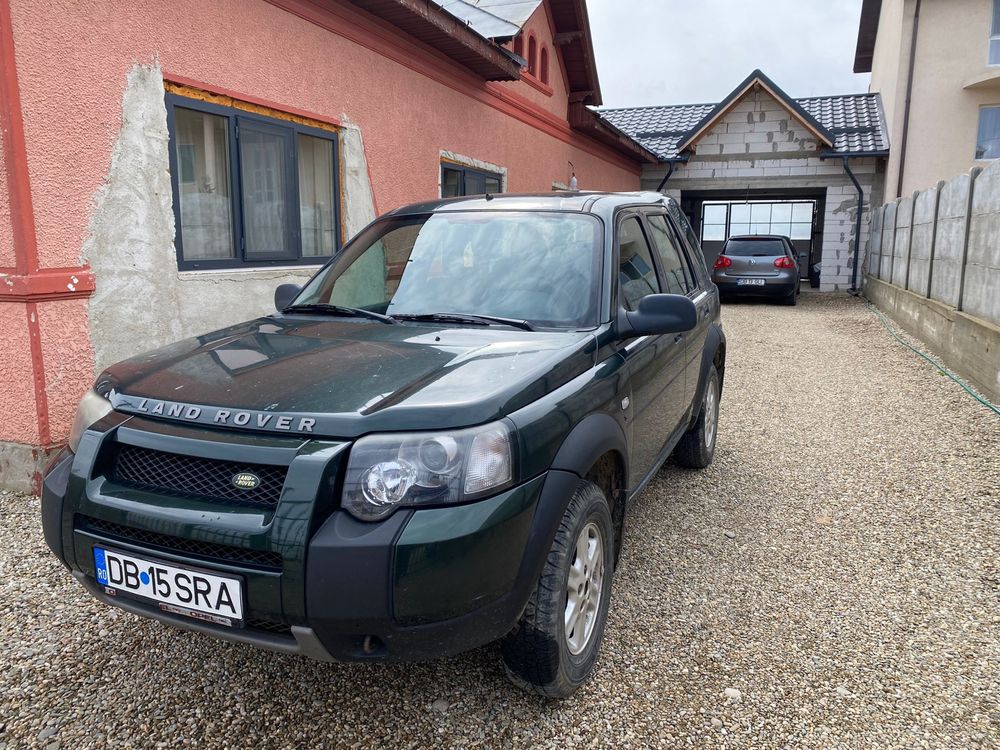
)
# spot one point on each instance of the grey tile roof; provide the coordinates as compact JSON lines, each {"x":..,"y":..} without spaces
{"x":855,"y":121}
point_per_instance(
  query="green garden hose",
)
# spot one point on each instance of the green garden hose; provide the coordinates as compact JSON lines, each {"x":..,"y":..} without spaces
{"x":933,"y":360}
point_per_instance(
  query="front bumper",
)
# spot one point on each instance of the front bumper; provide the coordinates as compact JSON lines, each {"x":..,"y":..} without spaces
{"x":419,"y":585}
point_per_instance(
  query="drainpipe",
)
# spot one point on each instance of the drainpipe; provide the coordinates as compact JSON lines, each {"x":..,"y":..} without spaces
{"x":853,"y":289}
{"x":906,"y":106}
{"x":670,"y":171}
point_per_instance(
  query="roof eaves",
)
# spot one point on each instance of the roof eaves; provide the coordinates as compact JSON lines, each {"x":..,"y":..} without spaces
{"x":867,"y":34}
{"x":453,"y":37}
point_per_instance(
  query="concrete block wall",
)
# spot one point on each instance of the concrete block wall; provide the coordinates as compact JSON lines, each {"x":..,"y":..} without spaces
{"x":943,"y":243}
{"x":756,"y":125}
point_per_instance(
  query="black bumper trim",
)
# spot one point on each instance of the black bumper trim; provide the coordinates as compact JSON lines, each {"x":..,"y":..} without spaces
{"x":303,"y":640}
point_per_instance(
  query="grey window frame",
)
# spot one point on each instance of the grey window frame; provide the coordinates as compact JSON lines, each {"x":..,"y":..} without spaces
{"x":447,"y":166}
{"x":293,"y":240}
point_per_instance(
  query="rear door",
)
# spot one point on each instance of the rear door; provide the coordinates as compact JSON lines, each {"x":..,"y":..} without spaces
{"x":681,"y":278}
{"x":655,"y":363}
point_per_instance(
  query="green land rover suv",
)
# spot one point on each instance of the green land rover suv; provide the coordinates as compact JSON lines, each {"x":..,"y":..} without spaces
{"x":432,"y":445}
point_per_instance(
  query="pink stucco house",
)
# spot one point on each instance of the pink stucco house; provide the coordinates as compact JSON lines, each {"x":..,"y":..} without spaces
{"x":163,"y":166}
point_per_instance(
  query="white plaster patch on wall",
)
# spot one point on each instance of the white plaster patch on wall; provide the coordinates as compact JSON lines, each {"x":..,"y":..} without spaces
{"x":468,"y":161}
{"x":359,"y":198}
{"x":130,"y":239}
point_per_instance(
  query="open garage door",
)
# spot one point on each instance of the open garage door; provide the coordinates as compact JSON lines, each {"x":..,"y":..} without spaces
{"x":718,"y":216}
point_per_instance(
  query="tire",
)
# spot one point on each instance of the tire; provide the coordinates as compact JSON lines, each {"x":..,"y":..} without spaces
{"x":792,"y":299}
{"x":696,"y":448}
{"x":538,"y":655}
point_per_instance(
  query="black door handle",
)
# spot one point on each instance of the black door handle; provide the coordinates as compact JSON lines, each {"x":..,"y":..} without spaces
{"x":678,"y":338}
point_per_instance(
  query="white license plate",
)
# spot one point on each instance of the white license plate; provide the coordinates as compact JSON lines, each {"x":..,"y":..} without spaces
{"x":749,"y":282}
{"x":182,"y":591}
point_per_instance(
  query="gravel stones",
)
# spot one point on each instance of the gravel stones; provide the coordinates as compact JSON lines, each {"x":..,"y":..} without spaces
{"x":864,"y":504}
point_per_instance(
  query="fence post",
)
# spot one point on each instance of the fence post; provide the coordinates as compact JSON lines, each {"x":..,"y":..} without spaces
{"x":930,"y":259}
{"x":973,"y":174}
{"x":875,"y":230}
{"x":895,"y":223}
{"x":909,"y":243}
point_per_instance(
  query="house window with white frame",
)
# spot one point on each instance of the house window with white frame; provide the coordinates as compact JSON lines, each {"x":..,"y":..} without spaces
{"x":994,"y":53}
{"x":988,"y":137}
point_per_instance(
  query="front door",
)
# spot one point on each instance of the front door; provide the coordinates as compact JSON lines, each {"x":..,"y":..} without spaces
{"x":655,"y":363}
{"x":681,"y":277}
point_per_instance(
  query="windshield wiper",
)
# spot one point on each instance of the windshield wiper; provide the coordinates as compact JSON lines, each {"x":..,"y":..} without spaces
{"x":482,"y":320}
{"x":324,"y":308}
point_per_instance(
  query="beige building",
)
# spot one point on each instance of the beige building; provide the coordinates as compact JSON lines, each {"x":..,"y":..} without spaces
{"x":936,"y":64}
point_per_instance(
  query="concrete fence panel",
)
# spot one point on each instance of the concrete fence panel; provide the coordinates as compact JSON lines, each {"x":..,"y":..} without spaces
{"x":888,"y":241}
{"x":922,"y":241}
{"x":901,"y":245}
{"x":949,"y":241}
{"x":981,"y":294}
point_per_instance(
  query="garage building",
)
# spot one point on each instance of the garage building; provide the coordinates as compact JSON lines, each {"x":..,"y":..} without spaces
{"x":760,"y":162}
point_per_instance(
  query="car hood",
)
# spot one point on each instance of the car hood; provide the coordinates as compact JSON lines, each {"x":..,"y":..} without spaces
{"x":343,"y":377}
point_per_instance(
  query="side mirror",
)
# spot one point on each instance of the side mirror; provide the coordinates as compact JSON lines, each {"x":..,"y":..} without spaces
{"x":284,"y":295}
{"x":658,"y":314}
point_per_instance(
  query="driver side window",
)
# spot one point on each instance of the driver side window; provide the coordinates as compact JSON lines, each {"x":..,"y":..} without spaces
{"x":636,"y":272}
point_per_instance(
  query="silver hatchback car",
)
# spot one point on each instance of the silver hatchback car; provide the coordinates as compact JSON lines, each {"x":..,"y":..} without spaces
{"x":758,"y":265}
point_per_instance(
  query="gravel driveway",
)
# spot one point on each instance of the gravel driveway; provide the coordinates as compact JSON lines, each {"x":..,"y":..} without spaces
{"x":831,"y":581}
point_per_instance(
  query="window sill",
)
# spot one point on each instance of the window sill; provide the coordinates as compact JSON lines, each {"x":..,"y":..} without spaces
{"x":311,"y":268}
{"x":537,"y":84}
{"x":988,"y":79}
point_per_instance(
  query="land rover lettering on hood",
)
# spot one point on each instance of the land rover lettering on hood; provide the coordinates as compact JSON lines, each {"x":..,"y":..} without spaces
{"x":430,"y":446}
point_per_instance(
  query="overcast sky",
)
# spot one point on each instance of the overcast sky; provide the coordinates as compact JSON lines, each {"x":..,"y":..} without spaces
{"x":695,"y":51}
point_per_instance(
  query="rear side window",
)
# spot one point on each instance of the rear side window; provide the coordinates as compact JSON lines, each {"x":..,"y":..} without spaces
{"x":676,"y":272}
{"x":738,"y":248}
{"x":636,"y":272}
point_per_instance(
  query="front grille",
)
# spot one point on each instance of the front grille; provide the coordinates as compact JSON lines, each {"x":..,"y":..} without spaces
{"x":180,"y":545}
{"x":190,"y":476}
{"x":268,"y":626}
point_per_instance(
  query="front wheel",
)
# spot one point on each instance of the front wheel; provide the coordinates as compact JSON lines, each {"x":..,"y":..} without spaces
{"x":553,"y":648}
{"x":696,"y":448}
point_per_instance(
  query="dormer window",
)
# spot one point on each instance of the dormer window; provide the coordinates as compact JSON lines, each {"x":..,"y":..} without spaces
{"x":532,"y":56}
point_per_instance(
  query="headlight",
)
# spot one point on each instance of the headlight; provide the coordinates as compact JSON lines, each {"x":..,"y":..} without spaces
{"x":92,"y":408}
{"x":386,"y":472}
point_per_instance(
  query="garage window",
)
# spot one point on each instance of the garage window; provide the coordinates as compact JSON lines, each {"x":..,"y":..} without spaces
{"x":250,"y":190}
{"x":793,"y":219}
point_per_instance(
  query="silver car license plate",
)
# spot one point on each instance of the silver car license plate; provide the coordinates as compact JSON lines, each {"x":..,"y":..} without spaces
{"x":749,"y":282}
{"x":183,"y":591}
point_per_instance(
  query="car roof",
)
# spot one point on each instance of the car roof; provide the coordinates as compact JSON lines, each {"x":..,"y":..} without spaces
{"x":562,"y":200}
{"x":759,"y":237}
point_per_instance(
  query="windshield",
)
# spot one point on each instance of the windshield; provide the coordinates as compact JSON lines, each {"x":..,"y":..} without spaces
{"x":544,"y":268}
{"x":754,"y":247}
